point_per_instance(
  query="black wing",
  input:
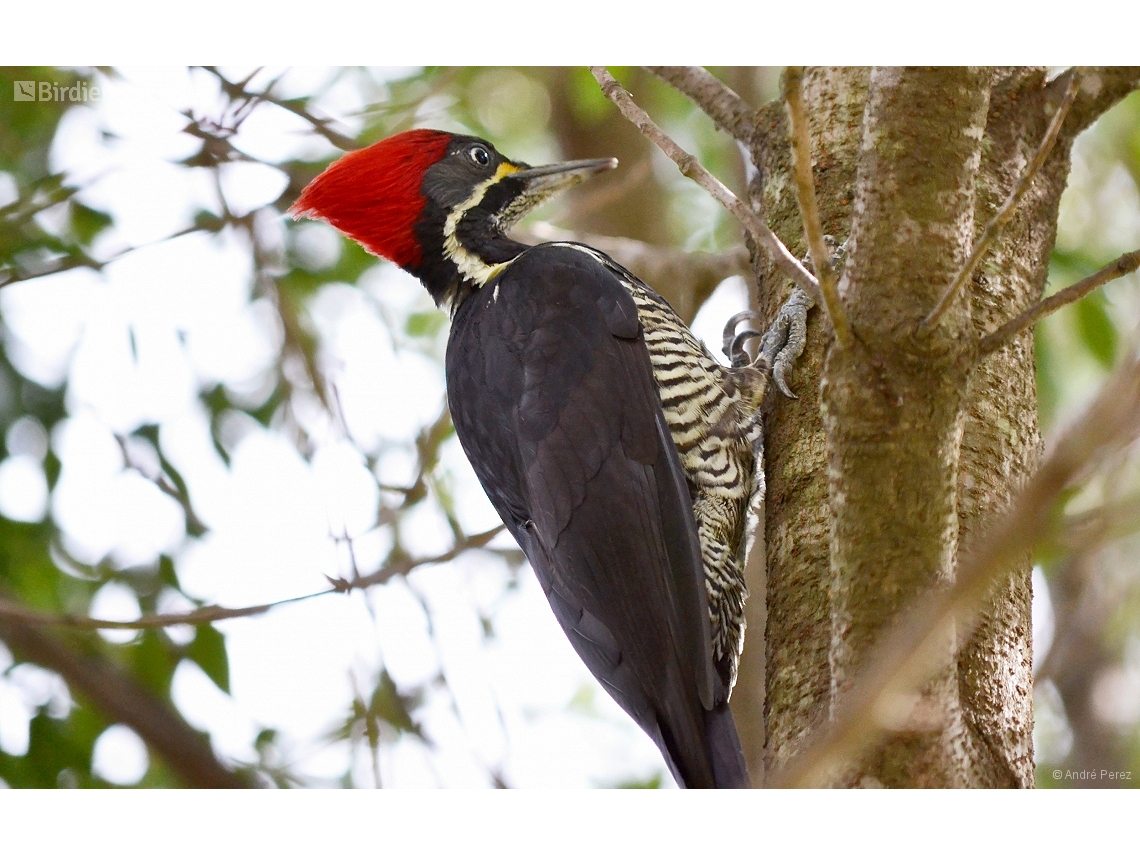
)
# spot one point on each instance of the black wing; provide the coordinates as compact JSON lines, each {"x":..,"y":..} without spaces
{"x":552,"y":395}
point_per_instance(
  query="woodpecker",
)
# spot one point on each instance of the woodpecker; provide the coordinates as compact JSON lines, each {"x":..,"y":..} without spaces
{"x":620,"y":454}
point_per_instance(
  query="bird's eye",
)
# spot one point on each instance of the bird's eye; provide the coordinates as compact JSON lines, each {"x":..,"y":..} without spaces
{"x":479,"y":154}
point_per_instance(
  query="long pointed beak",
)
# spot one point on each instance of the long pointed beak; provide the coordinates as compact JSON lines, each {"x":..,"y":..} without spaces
{"x":541,"y":182}
{"x":544,"y":181}
{"x":581,"y":168}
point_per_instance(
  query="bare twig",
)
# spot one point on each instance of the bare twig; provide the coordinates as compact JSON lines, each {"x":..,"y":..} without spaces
{"x":636,"y":253}
{"x":71,"y":262}
{"x":691,"y":168}
{"x":207,"y":614}
{"x":120,"y":698}
{"x":727,"y":109}
{"x":909,"y":654}
{"x":404,"y":566}
{"x":1008,"y":331}
{"x":211,"y":614}
{"x":298,"y":342}
{"x":81,"y":259}
{"x":1005,"y":212}
{"x":76,"y":256}
{"x":580,"y":207}
{"x":163,"y":482}
{"x":800,"y":133}
{"x":238,"y":91}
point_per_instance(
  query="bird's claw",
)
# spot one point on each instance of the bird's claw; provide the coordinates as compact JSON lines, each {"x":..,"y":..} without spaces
{"x":784,"y":340}
{"x":780,"y":345}
{"x":732,"y":342}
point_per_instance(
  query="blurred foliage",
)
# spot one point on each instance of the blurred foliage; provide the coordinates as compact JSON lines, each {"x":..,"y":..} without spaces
{"x":537,"y":114}
{"x":1087,"y":701}
{"x":534,"y":114}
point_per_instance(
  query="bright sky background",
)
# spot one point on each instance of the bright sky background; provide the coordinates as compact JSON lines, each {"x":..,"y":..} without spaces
{"x":521,"y":703}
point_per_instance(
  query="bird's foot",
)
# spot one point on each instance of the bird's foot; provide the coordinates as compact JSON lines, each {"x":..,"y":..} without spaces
{"x":784,"y":340}
{"x":780,"y":345}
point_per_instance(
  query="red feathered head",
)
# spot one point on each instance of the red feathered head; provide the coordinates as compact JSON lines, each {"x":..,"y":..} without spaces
{"x":373,"y":194}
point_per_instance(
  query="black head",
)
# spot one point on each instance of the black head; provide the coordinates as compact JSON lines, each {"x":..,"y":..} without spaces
{"x":437,"y":204}
{"x":472,"y":196}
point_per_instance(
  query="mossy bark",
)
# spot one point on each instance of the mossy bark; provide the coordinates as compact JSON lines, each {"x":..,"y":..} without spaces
{"x":896,"y":455}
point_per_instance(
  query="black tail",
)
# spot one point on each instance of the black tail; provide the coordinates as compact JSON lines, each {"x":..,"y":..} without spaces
{"x":725,"y":754}
{"x":711,"y":759}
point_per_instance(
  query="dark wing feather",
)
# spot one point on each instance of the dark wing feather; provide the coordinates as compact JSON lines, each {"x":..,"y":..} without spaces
{"x":552,"y":395}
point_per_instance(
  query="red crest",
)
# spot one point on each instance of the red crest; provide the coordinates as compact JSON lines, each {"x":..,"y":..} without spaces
{"x":373,"y":195}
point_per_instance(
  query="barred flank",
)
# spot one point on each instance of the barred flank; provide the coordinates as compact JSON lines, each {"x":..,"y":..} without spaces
{"x":714,"y":418}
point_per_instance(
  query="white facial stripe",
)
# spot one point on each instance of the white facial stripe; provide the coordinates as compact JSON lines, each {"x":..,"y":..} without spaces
{"x":469,"y":264}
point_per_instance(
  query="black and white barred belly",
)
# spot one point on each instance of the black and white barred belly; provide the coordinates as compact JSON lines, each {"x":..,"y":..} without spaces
{"x":713,"y":414}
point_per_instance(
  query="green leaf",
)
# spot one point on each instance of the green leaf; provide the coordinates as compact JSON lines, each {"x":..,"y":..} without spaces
{"x":167,"y":574}
{"x":394,"y":707}
{"x":424,"y":324}
{"x":653,"y":783}
{"x":1096,"y":329}
{"x":590,"y":106}
{"x":208,"y":649}
{"x":57,"y":756}
{"x":87,"y":223}
{"x":209,"y":222}
{"x":152,"y":662}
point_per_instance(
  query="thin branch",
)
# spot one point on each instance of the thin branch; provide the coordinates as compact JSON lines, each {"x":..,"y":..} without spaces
{"x":1082,"y":596}
{"x":1008,"y":331}
{"x":206,"y":614}
{"x":121,"y":699}
{"x":428,"y":442}
{"x":909,"y":654}
{"x":298,"y":341}
{"x":637,"y":253}
{"x":71,"y":262}
{"x":580,"y":207}
{"x":727,"y":109}
{"x":407,"y":565}
{"x":800,"y":133}
{"x":321,"y":126}
{"x":211,"y":614}
{"x":161,"y":480}
{"x":691,"y":168}
{"x":81,"y":259}
{"x":1005,"y":212}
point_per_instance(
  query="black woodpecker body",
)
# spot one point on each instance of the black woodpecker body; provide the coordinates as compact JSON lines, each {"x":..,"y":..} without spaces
{"x":618,"y":452}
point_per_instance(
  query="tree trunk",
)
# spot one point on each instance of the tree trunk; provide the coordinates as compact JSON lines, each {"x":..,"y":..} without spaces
{"x":899,"y":451}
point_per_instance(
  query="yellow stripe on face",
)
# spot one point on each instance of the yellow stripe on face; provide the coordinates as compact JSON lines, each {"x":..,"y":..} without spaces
{"x":470,"y":264}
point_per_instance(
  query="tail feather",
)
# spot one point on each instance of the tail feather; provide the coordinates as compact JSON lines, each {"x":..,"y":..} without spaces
{"x":711,"y":756}
{"x":725,"y":754}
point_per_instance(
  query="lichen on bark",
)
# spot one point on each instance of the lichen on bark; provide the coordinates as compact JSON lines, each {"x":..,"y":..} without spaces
{"x":897,"y":454}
